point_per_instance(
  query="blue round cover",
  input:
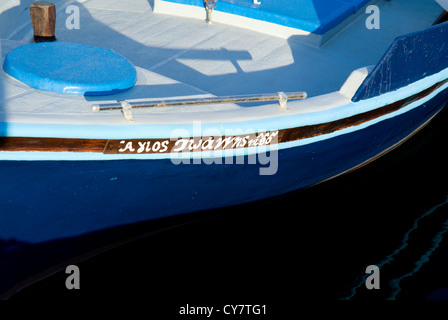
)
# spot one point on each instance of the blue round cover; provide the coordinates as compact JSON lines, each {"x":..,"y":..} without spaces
{"x":70,"y":68}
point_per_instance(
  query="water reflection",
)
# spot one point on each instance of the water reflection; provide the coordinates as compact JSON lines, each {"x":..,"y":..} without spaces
{"x":410,"y":247}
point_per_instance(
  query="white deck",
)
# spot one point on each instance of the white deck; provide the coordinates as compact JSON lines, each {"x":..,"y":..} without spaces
{"x":182,"y":57}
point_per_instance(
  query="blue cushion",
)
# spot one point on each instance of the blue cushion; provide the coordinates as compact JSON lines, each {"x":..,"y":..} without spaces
{"x":317,"y":16}
{"x":70,"y":68}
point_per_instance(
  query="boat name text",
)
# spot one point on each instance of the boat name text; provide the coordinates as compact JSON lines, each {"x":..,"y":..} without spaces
{"x":176,"y":145}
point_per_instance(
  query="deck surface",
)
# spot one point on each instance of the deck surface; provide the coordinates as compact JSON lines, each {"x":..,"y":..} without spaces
{"x":182,"y":57}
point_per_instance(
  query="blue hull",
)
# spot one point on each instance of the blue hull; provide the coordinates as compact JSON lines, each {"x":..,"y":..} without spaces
{"x":54,"y":201}
{"x":55,"y":210}
{"x":47,"y":200}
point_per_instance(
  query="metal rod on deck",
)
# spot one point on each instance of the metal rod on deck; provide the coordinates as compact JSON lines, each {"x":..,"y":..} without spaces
{"x":280,"y":96}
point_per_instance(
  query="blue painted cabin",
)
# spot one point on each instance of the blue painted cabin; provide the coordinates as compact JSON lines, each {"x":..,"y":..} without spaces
{"x":316,"y":16}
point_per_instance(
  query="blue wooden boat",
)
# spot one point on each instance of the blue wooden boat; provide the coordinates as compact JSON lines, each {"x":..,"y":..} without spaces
{"x":145,"y":112}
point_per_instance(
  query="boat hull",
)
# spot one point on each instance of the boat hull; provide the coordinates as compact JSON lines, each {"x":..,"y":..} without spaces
{"x":67,"y":178}
{"x":48,"y":200}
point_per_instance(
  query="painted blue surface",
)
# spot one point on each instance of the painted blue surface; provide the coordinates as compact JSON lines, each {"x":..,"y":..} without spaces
{"x":410,"y":58}
{"x":70,"y":68}
{"x":43,"y":201}
{"x":47,"y":200}
{"x":317,"y":16}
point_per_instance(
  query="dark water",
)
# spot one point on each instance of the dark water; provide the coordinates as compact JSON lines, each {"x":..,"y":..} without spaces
{"x":310,"y":245}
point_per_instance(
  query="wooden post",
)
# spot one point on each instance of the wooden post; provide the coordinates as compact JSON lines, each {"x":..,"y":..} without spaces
{"x":43,"y":18}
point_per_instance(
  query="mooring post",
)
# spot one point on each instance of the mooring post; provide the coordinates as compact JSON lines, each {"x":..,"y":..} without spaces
{"x":43,"y":18}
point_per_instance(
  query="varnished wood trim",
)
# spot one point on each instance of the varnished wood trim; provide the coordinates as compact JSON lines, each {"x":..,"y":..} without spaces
{"x":51,"y":144}
{"x":329,"y":127}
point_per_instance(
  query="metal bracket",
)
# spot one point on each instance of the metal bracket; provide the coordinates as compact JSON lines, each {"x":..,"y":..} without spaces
{"x":282,"y":99}
{"x":127,"y":110}
{"x":209,"y":5}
